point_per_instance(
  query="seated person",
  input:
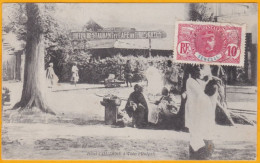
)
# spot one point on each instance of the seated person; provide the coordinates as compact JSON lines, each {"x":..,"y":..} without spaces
{"x":168,"y":101}
{"x":175,"y":89}
{"x":168,"y":107}
{"x":165,"y":93}
{"x":137,"y":108}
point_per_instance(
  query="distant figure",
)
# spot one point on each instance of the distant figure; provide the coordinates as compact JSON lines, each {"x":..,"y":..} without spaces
{"x":137,"y":108}
{"x":154,"y":80}
{"x":241,"y":76}
{"x":75,"y":74}
{"x":51,"y":76}
{"x":172,"y":77}
{"x":128,"y":73}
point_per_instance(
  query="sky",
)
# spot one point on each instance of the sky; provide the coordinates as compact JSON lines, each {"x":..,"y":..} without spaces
{"x":147,"y":17}
{"x":140,"y":16}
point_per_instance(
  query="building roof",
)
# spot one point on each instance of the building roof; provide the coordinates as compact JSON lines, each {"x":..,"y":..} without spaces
{"x":91,"y":25}
{"x":156,"y":44}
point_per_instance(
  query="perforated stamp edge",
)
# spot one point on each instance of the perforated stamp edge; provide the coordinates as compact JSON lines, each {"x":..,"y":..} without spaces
{"x":243,"y":43}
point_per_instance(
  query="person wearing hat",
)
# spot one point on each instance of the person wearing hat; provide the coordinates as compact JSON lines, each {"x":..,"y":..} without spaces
{"x":51,"y":76}
{"x":137,"y":108}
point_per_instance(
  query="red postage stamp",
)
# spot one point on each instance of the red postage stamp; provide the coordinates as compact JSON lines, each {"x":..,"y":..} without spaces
{"x":209,"y":43}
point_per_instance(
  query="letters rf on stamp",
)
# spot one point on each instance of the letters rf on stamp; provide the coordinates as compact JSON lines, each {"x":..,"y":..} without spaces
{"x":209,"y":43}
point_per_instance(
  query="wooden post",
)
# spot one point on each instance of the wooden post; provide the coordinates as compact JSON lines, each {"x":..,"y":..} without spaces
{"x":248,"y":58}
{"x":18,"y":66}
{"x":150,"y":47}
{"x":111,"y":111}
{"x":120,"y":77}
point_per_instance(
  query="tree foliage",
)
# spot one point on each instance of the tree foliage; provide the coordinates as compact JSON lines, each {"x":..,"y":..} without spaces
{"x":201,"y":12}
{"x":56,"y":33}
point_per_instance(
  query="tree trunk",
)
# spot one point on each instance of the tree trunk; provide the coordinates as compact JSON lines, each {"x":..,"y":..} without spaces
{"x":33,"y":94}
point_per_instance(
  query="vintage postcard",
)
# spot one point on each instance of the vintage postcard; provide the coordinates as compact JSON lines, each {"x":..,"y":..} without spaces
{"x":129,"y":81}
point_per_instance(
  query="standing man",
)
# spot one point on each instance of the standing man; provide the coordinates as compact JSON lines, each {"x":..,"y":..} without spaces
{"x":200,"y":112}
{"x":128,"y":73}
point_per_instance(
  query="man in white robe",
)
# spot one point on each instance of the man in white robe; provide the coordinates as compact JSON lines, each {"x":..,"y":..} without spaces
{"x":199,"y":111}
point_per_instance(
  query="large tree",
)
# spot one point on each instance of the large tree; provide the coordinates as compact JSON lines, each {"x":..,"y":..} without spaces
{"x":33,"y":94}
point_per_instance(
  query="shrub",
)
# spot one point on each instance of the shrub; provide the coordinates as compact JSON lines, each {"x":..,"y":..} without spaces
{"x":91,"y":71}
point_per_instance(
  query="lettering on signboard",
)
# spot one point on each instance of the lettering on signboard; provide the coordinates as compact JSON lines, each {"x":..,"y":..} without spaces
{"x":118,"y":35}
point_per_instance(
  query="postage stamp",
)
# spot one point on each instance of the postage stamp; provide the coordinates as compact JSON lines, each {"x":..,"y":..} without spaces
{"x":209,"y":43}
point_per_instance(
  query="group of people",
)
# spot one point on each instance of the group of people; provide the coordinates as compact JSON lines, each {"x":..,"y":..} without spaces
{"x":170,"y":77}
{"x":137,"y":107}
{"x":202,"y":94}
{"x":52,"y":78}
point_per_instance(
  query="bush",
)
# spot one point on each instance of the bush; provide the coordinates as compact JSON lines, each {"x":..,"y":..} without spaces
{"x":96,"y":71}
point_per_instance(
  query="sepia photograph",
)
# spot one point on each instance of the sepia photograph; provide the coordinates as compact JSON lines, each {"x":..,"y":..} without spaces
{"x":129,"y":81}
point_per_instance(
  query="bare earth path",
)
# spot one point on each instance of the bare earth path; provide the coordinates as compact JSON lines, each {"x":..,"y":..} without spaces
{"x":79,"y":132}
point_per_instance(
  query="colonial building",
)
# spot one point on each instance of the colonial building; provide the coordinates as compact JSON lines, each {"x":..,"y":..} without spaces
{"x":13,"y":57}
{"x":109,"y":47}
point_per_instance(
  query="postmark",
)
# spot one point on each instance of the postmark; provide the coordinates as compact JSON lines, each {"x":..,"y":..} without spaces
{"x":209,"y":43}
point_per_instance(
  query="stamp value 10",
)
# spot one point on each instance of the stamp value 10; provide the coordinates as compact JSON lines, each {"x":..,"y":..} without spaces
{"x":209,"y":43}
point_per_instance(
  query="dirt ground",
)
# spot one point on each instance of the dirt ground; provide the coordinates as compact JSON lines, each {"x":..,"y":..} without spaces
{"x":78,"y":131}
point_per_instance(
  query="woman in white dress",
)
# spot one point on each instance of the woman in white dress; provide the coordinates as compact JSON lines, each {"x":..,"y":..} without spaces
{"x":52,"y":78}
{"x":199,"y":113}
{"x":75,"y":74}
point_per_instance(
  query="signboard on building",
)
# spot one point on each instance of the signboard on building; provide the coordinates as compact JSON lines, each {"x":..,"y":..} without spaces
{"x":118,"y":35}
